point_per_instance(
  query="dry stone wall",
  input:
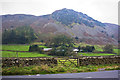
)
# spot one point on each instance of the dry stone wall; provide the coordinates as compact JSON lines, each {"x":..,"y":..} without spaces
{"x":101,"y":60}
{"x":81,"y":61}
{"x":7,"y":62}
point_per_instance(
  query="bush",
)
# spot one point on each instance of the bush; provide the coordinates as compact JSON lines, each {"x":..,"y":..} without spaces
{"x":61,"y":46}
{"x":88,"y":49}
{"x":108,"y":48}
{"x":76,"y":38}
{"x":61,"y":51}
{"x":35,"y":48}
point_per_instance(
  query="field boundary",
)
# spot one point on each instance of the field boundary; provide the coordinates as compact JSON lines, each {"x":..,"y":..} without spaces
{"x":14,"y":51}
{"x":80,"y":52}
{"x":66,"y":61}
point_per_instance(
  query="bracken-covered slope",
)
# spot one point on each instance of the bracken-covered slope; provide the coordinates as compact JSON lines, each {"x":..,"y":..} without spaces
{"x":68,"y":22}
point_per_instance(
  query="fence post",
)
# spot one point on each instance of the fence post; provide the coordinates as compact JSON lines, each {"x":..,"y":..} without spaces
{"x":78,"y":62}
{"x":17,"y":55}
{"x":17,"y":60}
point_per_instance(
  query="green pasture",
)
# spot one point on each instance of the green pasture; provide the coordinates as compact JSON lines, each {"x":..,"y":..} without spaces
{"x":36,"y":54}
{"x":117,"y":51}
{"x":18,"y":47}
{"x":97,"y":47}
{"x":22,"y":54}
{"x":95,"y":54}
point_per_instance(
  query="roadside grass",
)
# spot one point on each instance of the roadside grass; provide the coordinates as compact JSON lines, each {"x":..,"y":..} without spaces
{"x":95,"y":54}
{"x":18,"y":47}
{"x":23,"y":54}
{"x":45,"y":69}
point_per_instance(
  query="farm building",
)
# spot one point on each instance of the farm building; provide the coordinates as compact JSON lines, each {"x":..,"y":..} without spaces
{"x":76,"y":50}
{"x":47,"y":49}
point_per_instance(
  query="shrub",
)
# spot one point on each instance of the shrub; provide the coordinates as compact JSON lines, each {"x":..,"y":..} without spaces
{"x":61,"y":46}
{"x":108,"y":48}
{"x":76,"y":38}
{"x":61,"y":51}
{"x":35,"y":48}
{"x":88,"y":49}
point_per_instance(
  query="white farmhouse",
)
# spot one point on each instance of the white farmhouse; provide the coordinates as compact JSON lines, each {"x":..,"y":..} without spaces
{"x":47,"y":49}
{"x":75,"y":50}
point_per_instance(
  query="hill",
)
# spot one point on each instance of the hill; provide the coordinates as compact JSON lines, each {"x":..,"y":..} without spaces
{"x":68,"y":22}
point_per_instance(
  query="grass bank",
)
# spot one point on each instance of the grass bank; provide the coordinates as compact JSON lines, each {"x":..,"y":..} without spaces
{"x":44,"y":69}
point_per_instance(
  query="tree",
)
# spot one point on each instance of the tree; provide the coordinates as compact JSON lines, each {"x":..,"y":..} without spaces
{"x":8,"y":36}
{"x":88,"y":49}
{"x":5,"y":35}
{"x":61,"y":46}
{"x":41,"y":40}
{"x":62,"y":51}
{"x":20,"y":35}
{"x":108,"y":48}
{"x":35,"y":48}
{"x":93,"y":48}
{"x":61,"y":40}
{"x":76,"y":38}
{"x":79,"y":48}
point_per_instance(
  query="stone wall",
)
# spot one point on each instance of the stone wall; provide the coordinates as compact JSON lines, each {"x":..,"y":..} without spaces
{"x":101,"y":60}
{"x":81,"y":61}
{"x":7,"y":62}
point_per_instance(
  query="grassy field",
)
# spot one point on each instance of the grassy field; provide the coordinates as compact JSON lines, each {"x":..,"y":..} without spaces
{"x":36,"y":54}
{"x":44,"y":69}
{"x":117,"y":51}
{"x":17,"y":47}
{"x":95,"y":54}
{"x":20,"y":54}
{"x":98,"y":48}
{"x":23,"y":54}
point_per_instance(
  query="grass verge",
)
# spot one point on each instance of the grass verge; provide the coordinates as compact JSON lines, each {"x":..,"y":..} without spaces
{"x":44,"y":69}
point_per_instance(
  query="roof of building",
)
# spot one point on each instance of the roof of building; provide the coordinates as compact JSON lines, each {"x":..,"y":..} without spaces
{"x":75,"y":50}
{"x":47,"y":49}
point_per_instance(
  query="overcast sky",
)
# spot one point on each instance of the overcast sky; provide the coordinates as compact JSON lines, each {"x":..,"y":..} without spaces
{"x":102,"y":10}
